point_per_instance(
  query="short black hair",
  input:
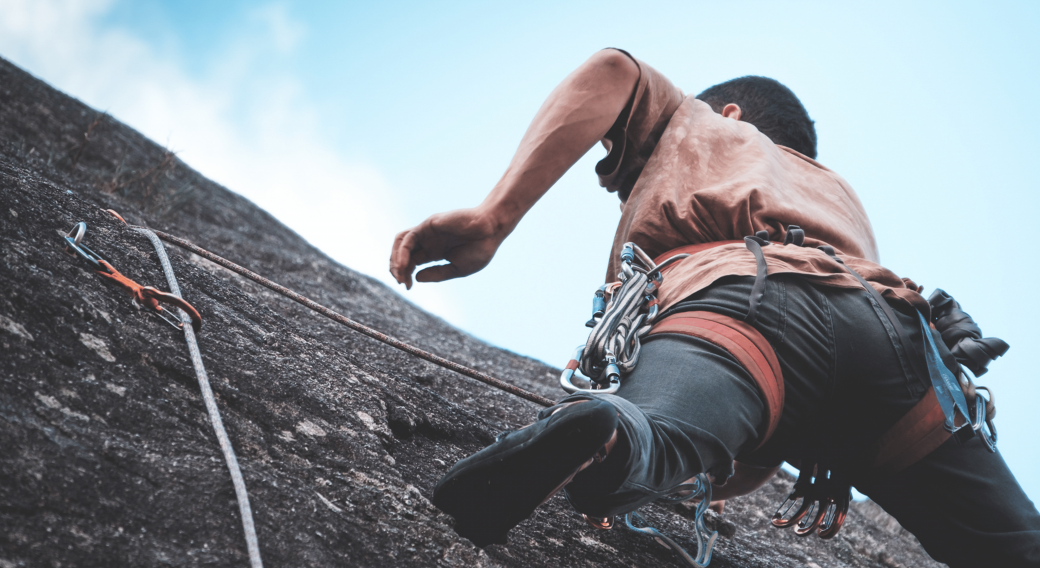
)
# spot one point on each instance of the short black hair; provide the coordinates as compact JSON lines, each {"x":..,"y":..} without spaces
{"x":769,"y":106}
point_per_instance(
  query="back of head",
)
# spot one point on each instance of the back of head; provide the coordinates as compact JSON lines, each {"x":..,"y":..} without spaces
{"x":771,"y":107}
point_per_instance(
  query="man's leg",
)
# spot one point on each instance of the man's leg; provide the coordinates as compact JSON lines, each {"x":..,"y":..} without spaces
{"x":961,"y":501}
{"x":965,"y":506}
{"x":687,"y":408}
{"x":491,"y":491}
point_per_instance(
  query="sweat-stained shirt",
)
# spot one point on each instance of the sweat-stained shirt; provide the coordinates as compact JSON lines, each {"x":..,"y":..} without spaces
{"x":687,"y":175}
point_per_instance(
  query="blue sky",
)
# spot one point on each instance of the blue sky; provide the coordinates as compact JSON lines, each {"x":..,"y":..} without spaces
{"x":352,"y":121}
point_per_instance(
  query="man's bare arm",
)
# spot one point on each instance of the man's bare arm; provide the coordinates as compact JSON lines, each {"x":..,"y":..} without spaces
{"x":577,"y":114}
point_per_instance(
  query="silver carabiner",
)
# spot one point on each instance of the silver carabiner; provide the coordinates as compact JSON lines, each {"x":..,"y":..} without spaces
{"x":566,"y":382}
{"x":74,"y":247}
{"x":77,"y":232}
{"x":987,"y":430}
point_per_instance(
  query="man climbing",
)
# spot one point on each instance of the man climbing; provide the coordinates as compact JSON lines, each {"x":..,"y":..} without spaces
{"x":734,"y":161}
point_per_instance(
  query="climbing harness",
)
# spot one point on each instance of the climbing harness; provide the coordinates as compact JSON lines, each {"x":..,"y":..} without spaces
{"x":929,"y":423}
{"x":749,"y":347}
{"x":150,"y":297}
{"x":624,"y":311}
{"x":612,"y":349}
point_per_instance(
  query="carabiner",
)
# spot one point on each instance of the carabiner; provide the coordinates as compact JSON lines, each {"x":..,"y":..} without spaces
{"x":152,"y":296}
{"x":601,"y":523}
{"x":146,"y":295}
{"x":613,"y":377}
{"x":987,"y":430}
{"x":802,"y":488}
{"x":811,"y":522}
{"x":834,"y":515}
{"x":74,"y":247}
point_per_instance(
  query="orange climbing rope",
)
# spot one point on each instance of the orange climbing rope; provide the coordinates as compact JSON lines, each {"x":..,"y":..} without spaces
{"x":331,"y":314}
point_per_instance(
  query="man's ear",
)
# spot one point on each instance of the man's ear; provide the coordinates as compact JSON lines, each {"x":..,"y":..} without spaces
{"x":731,"y":111}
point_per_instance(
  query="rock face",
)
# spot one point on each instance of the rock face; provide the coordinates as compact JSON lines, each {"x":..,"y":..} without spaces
{"x":107,"y":457}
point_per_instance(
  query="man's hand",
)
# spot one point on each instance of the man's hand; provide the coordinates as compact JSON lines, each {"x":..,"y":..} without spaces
{"x":577,"y":114}
{"x":466,"y":238}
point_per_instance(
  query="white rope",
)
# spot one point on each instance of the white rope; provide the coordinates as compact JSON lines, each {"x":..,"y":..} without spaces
{"x":211,"y":407}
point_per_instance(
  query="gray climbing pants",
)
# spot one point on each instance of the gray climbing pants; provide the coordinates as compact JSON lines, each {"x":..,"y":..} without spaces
{"x":688,"y":407}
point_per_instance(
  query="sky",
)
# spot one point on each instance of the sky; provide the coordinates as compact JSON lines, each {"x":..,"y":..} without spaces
{"x":351,"y":121}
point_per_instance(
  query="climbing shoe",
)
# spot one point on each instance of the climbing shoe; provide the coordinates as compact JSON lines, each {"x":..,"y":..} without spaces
{"x":491,"y":491}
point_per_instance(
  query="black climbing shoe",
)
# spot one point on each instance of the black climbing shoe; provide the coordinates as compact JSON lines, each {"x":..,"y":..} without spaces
{"x":491,"y":491}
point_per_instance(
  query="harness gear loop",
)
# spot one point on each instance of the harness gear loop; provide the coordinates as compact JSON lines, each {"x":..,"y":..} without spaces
{"x":619,"y":324}
{"x":758,"y":290}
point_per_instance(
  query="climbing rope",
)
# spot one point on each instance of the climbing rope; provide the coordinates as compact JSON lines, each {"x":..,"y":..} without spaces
{"x":339,"y":318}
{"x":189,"y":321}
{"x":699,"y":488}
{"x":211,"y":407}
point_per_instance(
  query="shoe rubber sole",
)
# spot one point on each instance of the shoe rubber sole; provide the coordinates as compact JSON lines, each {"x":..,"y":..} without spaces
{"x":491,"y":491}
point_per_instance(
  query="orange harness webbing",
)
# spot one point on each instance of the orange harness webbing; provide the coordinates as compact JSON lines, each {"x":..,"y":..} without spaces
{"x":148,"y":296}
{"x":745,"y":344}
{"x":914,"y":436}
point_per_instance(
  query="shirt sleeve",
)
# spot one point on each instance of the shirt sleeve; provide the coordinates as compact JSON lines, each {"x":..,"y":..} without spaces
{"x":637,"y":130}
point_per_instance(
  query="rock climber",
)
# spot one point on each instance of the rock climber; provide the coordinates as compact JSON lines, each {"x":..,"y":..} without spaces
{"x":735,"y":160}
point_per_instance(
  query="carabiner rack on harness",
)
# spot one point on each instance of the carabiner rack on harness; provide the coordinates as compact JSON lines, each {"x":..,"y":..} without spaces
{"x":618,"y":324}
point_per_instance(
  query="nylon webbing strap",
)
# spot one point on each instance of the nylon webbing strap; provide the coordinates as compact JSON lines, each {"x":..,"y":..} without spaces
{"x":758,"y":290}
{"x":914,"y":436}
{"x":746,"y":345}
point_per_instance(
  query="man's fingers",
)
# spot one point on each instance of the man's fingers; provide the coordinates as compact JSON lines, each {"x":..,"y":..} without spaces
{"x":423,"y":256}
{"x":439,"y":273}
{"x":401,"y":262}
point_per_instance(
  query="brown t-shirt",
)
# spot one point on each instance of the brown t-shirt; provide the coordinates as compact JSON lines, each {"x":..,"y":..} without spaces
{"x":687,"y":175}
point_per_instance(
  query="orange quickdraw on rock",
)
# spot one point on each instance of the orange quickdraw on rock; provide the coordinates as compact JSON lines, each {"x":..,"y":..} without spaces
{"x":146,"y":295}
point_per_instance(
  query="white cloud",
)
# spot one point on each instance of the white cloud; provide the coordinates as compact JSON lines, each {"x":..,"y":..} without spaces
{"x":242,"y":124}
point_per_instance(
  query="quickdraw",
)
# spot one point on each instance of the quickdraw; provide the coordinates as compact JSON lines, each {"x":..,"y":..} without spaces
{"x":150,"y":297}
{"x":147,"y":296}
{"x":822,"y":503}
